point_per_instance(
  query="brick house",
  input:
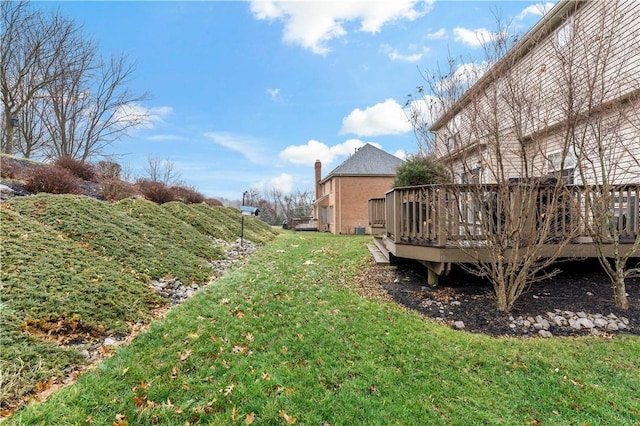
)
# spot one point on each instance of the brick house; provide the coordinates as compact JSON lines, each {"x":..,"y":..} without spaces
{"x":341,"y":204}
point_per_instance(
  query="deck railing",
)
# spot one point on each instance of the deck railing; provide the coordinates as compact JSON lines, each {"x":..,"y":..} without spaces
{"x":437,"y":214}
{"x":377,"y":213}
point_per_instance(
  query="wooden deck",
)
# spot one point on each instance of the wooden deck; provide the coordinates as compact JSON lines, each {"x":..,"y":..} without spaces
{"x":443,"y":224}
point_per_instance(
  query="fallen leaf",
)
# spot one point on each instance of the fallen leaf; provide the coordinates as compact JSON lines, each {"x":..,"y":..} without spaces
{"x":140,"y":401}
{"x":125,"y":371}
{"x":239,"y":350}
{"x":185,"y":355}
{"x":121,"y":420}
{"x":249,"y":418}
{"x":228,"y":390}
{"x":289,"y":419}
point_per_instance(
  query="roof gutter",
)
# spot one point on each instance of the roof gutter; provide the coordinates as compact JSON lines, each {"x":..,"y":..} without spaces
{"x":546,"y":25}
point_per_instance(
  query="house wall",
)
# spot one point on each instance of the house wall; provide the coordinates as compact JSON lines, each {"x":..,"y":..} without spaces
{"x":348,"y":201}
{"x":530,"y":104}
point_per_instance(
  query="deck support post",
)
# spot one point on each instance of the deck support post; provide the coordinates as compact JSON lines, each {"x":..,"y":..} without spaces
{"x":434,"y":270}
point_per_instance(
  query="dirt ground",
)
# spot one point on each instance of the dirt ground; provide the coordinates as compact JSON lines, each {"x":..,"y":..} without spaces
{"x":581,"y":286}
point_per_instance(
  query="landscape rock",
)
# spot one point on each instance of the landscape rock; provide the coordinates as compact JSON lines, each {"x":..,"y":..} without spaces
{"x":6,"y":192}
{"x":109,"y":341}
{"x":177,"y":292}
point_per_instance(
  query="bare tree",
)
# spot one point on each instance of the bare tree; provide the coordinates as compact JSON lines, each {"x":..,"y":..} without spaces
{"x":95,"y":108}
{"x":298,"y":203}
{"x":561,"y":105}
{"x":30,"y":46}
{"x":66,"y":100}
{"x":159,"y":170}
{"x":489,"y":135}
{"x":601,"y":90}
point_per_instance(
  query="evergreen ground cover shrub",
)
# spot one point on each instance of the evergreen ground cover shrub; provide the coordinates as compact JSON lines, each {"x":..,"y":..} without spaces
{"x":54,"y":289}
{"x":137,"y":247}
{"x":75,"y":269}
{"x":177,"y":230}
{"x":230,"y":219}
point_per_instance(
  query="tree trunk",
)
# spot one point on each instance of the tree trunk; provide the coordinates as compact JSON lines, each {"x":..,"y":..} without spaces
{"x":620,"y":292}
{"x":8,"y":141}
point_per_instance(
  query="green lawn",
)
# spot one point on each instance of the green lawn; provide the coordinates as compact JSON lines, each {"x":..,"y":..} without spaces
{"x":288,"y":338}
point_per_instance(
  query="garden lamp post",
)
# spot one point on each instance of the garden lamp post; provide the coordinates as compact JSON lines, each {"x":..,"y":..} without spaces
{"x":244,"y":194}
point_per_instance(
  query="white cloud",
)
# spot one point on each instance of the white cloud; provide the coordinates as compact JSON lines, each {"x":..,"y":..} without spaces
{"x":394,"y":55}
{"x":402,"y":154}
{"x":463,"y":77}
{"x":141,"y":116}
{"x":538,"y":9}
{"x":315,"y":150}
{"x":475,"y":38}
{"x":312,"y":24}
{"x":385,"y":118}
{"x":165,"y":138}
{"x":275,"y":94}
{"x":284,"y":183}
{"x":249,"y":147}
{"x":437,"y":35}
{"x":425,"y":111}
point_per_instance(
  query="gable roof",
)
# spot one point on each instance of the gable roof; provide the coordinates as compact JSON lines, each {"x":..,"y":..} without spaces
{"x":367,"y":161}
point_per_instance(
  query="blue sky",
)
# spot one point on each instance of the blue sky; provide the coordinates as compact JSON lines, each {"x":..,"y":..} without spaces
{"x":249,"y":94}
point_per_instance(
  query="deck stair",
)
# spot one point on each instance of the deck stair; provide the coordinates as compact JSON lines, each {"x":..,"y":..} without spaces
{"x":379,"y":251}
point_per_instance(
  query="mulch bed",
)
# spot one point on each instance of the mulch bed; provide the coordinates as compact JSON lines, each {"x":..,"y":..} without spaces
{"x":581,"y":286}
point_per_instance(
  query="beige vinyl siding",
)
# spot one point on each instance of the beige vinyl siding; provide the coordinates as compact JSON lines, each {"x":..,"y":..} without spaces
{"x":533,"y":98}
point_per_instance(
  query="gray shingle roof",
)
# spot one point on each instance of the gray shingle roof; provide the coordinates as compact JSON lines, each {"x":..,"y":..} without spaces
{"x":367,"y":161}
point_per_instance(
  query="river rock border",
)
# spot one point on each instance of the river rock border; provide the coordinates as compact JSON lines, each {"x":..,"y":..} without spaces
{"x":177,"y":292}
{"x":595,"y":324}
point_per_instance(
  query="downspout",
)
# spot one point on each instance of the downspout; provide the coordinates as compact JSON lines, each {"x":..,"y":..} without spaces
{"x":340,"y":200}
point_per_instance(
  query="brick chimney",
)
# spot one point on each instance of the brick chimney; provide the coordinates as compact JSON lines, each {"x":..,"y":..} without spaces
{"x":318,"y":168}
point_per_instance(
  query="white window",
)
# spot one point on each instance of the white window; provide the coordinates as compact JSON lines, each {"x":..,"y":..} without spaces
{"x":564,"y":34}
{"x":562,"y":171}
{"x":453,"y":142}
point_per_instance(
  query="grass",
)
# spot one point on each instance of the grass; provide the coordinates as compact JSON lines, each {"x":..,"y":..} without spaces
{"x":75,"y":269}
{"x":288,"y":338}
